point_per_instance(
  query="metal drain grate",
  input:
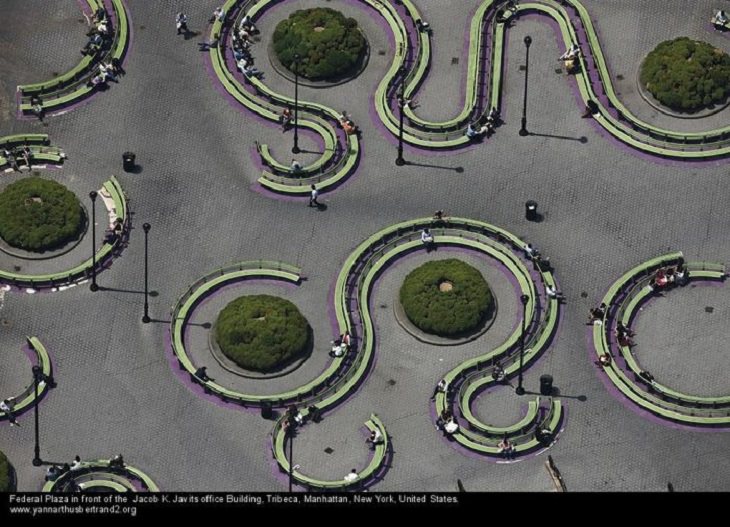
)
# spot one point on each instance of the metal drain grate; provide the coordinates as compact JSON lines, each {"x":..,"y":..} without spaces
{"x":709,"y":309}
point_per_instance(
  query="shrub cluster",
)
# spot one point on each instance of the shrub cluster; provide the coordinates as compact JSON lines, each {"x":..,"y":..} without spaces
{"x":39,"y":214}
{"x":261,"y":332}
{"x":4,"y":473}
{"x":446,"y":313}
{"x":329,"y":45}
{"x":686,"y":75}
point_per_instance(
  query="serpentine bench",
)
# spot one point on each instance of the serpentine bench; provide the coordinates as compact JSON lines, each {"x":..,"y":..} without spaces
{"x":71,"y":87}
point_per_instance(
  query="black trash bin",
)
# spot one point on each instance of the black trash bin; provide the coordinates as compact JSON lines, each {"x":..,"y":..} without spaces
{"x":266,"y":411}
{"x":546,"y":384}
{"x":531,"y":210}
{"x":128,"y":160}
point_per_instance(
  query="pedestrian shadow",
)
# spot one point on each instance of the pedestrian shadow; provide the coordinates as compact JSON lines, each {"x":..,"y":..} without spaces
{"x":191,"y":34}
{"x":321,"y":207}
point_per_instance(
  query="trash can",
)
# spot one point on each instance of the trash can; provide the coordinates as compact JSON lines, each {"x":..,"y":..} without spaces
{"x":546,"y":384}
{"x":531,"y":210}
{"x":266,"y":411}
{"x":128,"y":161}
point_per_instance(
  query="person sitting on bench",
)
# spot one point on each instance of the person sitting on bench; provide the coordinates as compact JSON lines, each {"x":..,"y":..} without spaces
{"x":427,"y":237}
{"x":375,"y":438}
{"x":473,"y":133}
{"x":570,"y":56}
{"x":720,"y":19}
{"x":506,"y":449}
{"x":423,"y":26}
{"x":441,"y":387}
{"x":202,"y":374}
{"x":597,"y":314}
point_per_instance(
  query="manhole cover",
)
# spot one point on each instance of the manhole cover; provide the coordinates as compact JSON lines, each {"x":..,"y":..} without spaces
{"x":16,"y":268}
{"x":619,"y":77}
{"x":391,"y":382}
{"x":328,"y":450}
{"x":4,"y":322}
{"x":381,"y":52}
{"x":522,"y":68}
{"x":709,"y":309}
{"x":383,"y":306}
{"x":583,"y":294}
{"x":558,"y":70}
{"x":454,"y":60}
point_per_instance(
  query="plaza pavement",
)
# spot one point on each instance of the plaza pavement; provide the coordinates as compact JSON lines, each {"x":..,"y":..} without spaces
{"x":606,"y":210}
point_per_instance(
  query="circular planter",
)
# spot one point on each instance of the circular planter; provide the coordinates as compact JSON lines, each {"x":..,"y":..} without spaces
{"x":659,"y":107}
{"x":41,"y":214}
{"x":47,"y":255}
{"x":230,"y":366}
{"x":288,"y":75}
{"x":447,"y":299}
{"x":680,"y":70}
{"x":262,"y":333}
{"x":326,"y":37}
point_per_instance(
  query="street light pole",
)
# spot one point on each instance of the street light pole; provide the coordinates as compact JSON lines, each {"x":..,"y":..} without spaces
{"x":146,"y":317}
{"x":295,"y":149}
{"x":520,"y":390}
{"x":37,"y":462}
{"x":291,"y":424}
{"x":523,"y":130}
{"x":94,"y":286}
{"x":401,"y":103}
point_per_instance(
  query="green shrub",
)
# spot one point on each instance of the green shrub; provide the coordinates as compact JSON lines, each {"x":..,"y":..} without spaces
{"x":261,"y":332}
{"x":446,"y":313}
{"x":4,"y":473}
{"x":329,"y":45}
{"x":39,"y":214}
{"x":686,"y":75}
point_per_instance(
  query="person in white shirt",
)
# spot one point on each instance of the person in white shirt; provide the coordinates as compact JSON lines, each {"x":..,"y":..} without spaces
{"x":426,"y":237}
{"x":296,"y":166}
{"x":720,"y":18}
{"x":76,"y":463}
{"x":375,"y":438}
{"x":441,"y":387}
{"x":313,"y":197}
{"x":352,"y":476}
{"x":572,"y":53}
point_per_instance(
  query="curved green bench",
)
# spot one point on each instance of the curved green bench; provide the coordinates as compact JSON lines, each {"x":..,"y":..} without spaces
{"x":329,"y":169}
{"x":624,"y":126}
{"x":27,"y":398}
{"x":278,"y":447}
{"x":98,"y":474}
{"x":39,"y":145}
{"x":624,"y":299}
{"x":83,"y":270}
{"x":70,"y":87}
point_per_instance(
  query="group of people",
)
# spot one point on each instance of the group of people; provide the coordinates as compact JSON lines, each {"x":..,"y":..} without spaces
{"x":541,"y":263}
{"x":447,"y":423}
{"x":99,"y":33}
{"x":7,"y":406}
{"x":242,"y":40}
{"x":670,"y":276}
{"x":484,"y":126}
{"x":341,"y":346}
{"x":107,"y":71}
{"x":596,"y":315}
{"x":14,"y":155}
{"x":623,"y":336}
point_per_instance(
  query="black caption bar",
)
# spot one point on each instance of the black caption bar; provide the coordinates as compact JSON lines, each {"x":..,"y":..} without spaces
{"x":19,"y":505}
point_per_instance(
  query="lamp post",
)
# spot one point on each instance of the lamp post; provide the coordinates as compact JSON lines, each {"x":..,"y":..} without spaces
{"x":401,"y":103}
{"x":520,"y":390}
{"x":146,"y":317}
{"x":37,"y":372}
{"x":93,"y":286}
{"x":295,"y":148}
{"x":523,"y":130}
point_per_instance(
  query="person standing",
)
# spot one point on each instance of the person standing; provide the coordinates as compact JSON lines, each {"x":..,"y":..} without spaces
{"x":7,"y":407}
{"x":181,"y":21}
{"x":313,"y":196}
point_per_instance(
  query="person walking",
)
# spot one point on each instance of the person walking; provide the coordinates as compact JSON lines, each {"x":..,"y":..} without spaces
{"x":313,"y":196}
{"x":181,"y":21}
{"x":7,"y":407}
